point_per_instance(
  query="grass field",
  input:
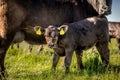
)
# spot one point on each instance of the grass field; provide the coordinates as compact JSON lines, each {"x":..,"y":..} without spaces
{"x":22,"y":65}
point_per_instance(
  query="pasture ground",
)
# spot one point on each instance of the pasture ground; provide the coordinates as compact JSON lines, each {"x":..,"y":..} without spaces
{"x":22,"y":65}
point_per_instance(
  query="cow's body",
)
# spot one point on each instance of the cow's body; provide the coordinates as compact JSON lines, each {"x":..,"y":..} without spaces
{"x":79,"y":36}
{"x":114,"y":32}
{"x":16,"y":15}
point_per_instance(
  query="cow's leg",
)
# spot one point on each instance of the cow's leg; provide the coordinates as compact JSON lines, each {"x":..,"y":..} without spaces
{"x":2,"y":57}
{"x":40,"y":48}
{"x":79,"y":58}
{"x":3,"y":49}
{"x":103,"y":49}
{"x":11,"y":46}
{"x":55,"y":61}
{"x":18,"y":45}
{"x":68,"y":58}
{"x":118,"y":41}
{"x":2,"y":68}
{"x":30,"y":48}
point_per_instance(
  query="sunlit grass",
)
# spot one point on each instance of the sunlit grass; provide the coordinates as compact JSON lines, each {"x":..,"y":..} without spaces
{"x":22,"y":65}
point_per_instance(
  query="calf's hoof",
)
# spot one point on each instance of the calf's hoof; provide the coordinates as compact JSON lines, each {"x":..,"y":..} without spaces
{"x":53,"y":69}
{"x":67,"y":70}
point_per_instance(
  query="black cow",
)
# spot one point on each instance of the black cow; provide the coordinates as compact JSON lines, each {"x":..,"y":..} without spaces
{"x":17,"y":15}
{"x":78,"y":36}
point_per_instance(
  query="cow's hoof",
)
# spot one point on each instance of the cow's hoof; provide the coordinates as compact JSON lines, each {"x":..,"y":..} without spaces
{"x":2,"y":76}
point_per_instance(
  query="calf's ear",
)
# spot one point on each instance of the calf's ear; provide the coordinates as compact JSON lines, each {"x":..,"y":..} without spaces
{"x":63,"y":29}
{"x":39,"y":30}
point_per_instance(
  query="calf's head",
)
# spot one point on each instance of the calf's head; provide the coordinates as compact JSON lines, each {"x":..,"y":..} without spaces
{"x":52,"y":34}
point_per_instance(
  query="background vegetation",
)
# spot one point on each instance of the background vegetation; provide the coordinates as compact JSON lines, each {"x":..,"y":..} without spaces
{"x":22,"y":65}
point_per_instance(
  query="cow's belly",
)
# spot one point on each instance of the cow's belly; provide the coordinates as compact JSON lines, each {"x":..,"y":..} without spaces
{"x":50,"y":16}
{"x":16,"y":15}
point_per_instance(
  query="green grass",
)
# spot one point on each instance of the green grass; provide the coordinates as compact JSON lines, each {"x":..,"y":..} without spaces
{"x":21,"y":65}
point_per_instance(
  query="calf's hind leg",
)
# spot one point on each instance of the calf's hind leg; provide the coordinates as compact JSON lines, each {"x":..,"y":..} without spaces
{"x":103,"y":49}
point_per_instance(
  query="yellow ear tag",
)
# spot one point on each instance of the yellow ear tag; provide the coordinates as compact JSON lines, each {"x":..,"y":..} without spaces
{"x":62,"y":32}
{"x":38,"y":32}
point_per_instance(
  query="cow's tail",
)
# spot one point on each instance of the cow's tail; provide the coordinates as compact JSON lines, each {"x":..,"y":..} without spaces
{"x":3,"y":19}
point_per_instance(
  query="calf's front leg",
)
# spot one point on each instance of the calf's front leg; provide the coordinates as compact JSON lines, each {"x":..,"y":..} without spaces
{"x":56,"y":58}
{"x":68,"y":58}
